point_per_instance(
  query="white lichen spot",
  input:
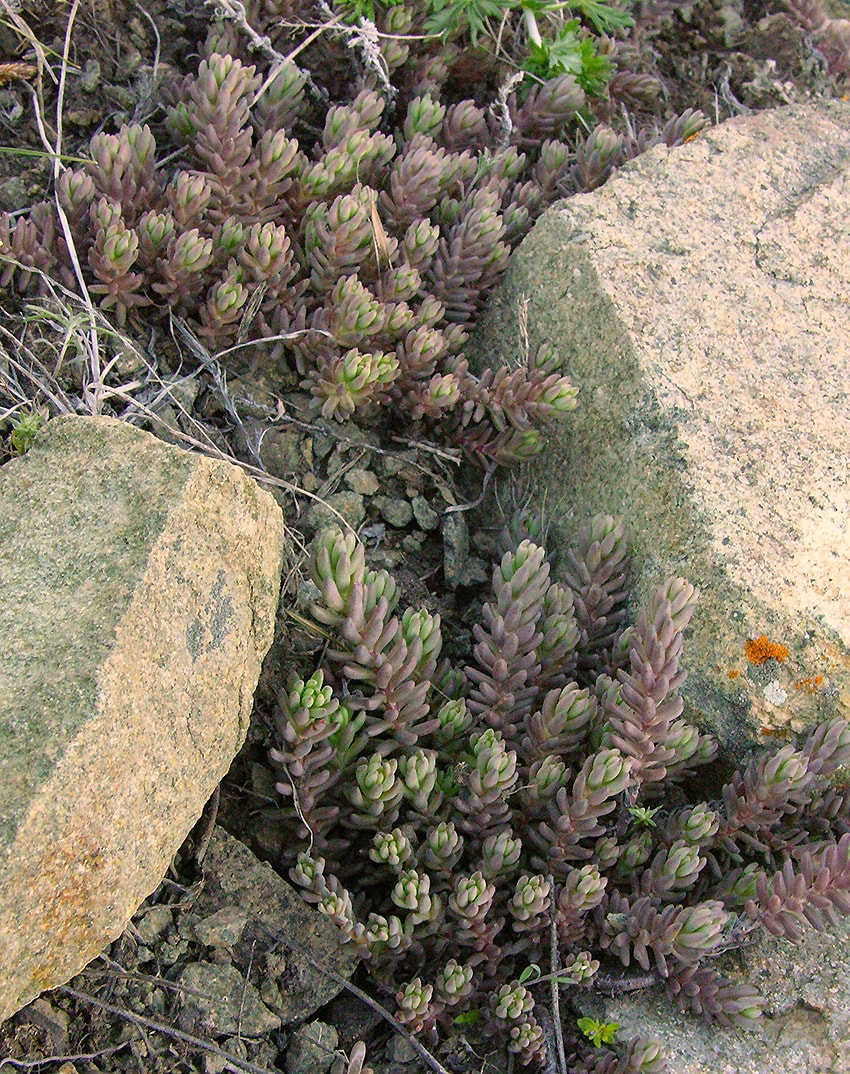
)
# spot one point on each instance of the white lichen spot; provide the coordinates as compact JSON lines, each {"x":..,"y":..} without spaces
{"x":774,"y":693}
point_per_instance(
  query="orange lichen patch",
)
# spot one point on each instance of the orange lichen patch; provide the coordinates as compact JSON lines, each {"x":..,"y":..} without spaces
{"x":733,"y":674}
{"x":809,"y":685}
{"x":760,"y":650}
{"x":780,"y":733}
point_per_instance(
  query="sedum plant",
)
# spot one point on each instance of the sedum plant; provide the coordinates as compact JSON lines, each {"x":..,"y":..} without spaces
{"x":353,"y":242}
{"x":459,"y":824}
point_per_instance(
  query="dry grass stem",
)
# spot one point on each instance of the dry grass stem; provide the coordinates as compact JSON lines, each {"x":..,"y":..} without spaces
{"x":169,"y":1031}
{"x":555,"y":966}
{"x":55,"y":151}
{"x":21,"y":26}
{"x":79,"y":1057}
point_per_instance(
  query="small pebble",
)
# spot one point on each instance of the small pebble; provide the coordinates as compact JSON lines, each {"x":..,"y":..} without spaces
{"x":223,"y":928}
{"x":424,"y":513}
{"x":349,"y":504}
{"x":362,"y":481}
{"x":90,"y":76}
{"x":223,"y":1001}
{"x":391,"y":465}
{"x":311,"y":1049}
{"x":276,"y":964}
{"x":129,"y":63}
{"x":214,"y":1064}
{"x":323,"y":444}
{"x":401,"y":1050}
{"x":14,"y":194}
{"x":396,"y":512}
{"x":186,"y":925}
{"x":236,"y":1047}
{"x":169,"y":953}
{"x":270,"y":995}
{"x":285,"y":450}
{"x":263,"y":780}
{"x":153,"y":923}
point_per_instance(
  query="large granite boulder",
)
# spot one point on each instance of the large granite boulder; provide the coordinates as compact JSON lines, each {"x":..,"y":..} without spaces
{"x":700,"y":303}
{"x":138,"y":588}
{"x":699,"y":300}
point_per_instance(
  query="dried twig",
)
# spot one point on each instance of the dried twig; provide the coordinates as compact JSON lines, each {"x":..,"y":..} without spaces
{"x":488,"y":474}
{"x":147,"y":102}
{"x":169,"y":1031}
{"x":55,"y":151}
{"x":158,"y":46}
{"x":215,"y":371}
{"x":36,"y":373}
{"x":555,"y":967}
{"x":422,"y":1052}
{"x":82,"y":1057}
{"x":235,"y":11}
{"x":500,"y":109}
{"x":208,"y":817}
{"x":41,"y":379}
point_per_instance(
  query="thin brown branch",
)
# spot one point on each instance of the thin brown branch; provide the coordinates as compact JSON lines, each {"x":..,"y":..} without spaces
{"x":208,"y":817}
{"x":81,"y":1057}
{"x":555,"y":967}
{"x":169,"y":1031}
{"x":421,"y":1051}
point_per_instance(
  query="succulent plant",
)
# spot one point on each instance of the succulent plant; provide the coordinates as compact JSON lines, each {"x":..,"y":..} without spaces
{"x":474,"y":828}
{"x":356,"y":240}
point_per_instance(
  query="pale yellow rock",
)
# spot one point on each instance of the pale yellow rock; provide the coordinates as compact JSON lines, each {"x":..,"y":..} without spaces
{"x":699,"y":300}
{"x":138,"y":588}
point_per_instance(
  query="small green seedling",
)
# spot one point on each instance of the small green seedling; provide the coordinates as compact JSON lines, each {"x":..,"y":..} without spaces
{"x":572,"y":51}
{"x":598,"y":1033}
{"x":532,"y":974}
{"x":644,"y":815}
{"x":468,"y":1018}
{"x":24,"y":429}
{"x":556,"y":42}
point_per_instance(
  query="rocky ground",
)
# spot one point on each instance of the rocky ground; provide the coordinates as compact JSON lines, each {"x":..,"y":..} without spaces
{"x":126,"y":1011}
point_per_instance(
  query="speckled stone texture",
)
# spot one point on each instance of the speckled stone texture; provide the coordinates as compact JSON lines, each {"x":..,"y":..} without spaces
{"x":267,"y":915}
{"x":805,"y":1027}
{"x":138,"y":589}
{"x":699,"y":300}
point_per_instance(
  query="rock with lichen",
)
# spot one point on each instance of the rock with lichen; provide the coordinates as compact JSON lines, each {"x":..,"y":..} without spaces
{"x":138,"y":588}
{"x":700,"y":302}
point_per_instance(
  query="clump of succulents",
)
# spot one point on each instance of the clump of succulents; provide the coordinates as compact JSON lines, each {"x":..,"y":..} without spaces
{"x":357,"y":240}
{"x":451,"y":821}
{"x":829,"y":36}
